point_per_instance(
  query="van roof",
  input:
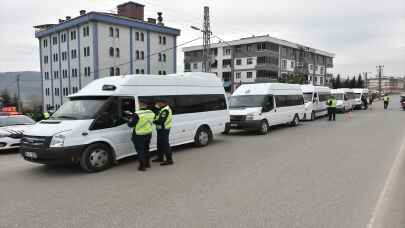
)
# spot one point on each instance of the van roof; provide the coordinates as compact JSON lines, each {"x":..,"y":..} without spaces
{"x":360,"y":90}
{"x":116,"y":83}
{"x":266,"y":88}
{"x":312,"y":88}
{"x":342,"y":90}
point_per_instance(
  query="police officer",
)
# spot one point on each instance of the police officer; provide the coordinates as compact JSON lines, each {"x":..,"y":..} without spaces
{"x":46,"y":115}
{"x":164,"y":122}
{"x":386,"y":101}
{"x":332,"y":108}
{"x":142,"y":123}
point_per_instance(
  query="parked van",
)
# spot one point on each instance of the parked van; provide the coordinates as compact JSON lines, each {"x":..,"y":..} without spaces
{"x":315,"y":98}
{"x":344,"y":99}
{"x":358,"y":94}
{"x":259,"y":106}
{"x":91,"y":128}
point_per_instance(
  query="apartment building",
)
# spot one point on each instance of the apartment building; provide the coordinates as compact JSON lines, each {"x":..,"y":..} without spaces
{"x":261,"y":59}
{"x":97,"y":44}
{"x":388,"y":84}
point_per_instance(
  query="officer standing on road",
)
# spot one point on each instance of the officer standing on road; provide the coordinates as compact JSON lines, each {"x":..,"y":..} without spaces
{"x":46,"y":115}
{"x":332,"y":108}
{"x":164,"y":122}
{"x":142,"y":123}
{"x":386,"y":101}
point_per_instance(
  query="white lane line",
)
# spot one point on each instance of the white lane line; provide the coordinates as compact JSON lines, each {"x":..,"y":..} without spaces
{"x":388,"y":185}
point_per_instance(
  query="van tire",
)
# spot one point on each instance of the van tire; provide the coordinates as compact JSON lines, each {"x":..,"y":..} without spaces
{"x":264,"y":127}
{"x":313,"y":116}
{"x":203,"y":136}
{"x":96,"y":157}
{"x":295,"y":121}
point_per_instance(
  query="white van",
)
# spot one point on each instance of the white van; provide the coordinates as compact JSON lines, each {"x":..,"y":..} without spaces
{"x":358,"y":94}
{"x":315,"y":98}
{"x":344,"y":99}
{"x":91,"y":128}
{"x":259,"y":106}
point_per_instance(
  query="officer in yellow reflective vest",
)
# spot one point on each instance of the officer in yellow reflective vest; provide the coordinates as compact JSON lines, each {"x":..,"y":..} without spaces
{"x":46,"y":115}
{"x":164,"y":122}
{"x":332,"y":108}
{"x":386,"y":101}
{"x":142,"y":124}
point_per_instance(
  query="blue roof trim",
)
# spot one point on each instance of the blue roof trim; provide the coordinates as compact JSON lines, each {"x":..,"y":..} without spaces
{"x":94,"y":16}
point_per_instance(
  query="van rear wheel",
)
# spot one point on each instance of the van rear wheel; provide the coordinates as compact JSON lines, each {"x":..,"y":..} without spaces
{"x":203,"y":137}
{"x":96,"y":157}
{"x":312,"y":116}
{"x":295,"y":121}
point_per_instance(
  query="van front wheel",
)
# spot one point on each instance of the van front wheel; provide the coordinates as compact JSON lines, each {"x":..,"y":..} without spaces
{"x":264,"y":127}
{"x":96,"y":157}
{"x":203,"y":136}
{"x":295,"y":121}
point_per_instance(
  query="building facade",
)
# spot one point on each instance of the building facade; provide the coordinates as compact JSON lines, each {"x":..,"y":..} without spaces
{"x":261,"y":59}
{"x":388,"y":84}
{"x":93,"y":45}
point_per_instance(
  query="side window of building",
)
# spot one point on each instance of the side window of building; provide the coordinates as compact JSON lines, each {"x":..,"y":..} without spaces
{"x":117,"y":32}
{"x":111,"y":31}
{"x":142,"y":36}
{"x":111,"y":71}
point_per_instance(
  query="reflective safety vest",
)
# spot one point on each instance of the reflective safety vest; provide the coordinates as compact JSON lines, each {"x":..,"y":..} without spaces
{"x":169,"y":119}
{"x":145,"y":122}
{"x":332,"y":103}
{"x":46,"y":115}
{"x":386,"y":98}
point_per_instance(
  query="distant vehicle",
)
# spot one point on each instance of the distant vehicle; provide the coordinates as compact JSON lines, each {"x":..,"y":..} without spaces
{"x":344,"y":99}
{"x":259,"y":106}
{"x":12,"y":129}
{"x":315,"y":98}
{"x":402,"y":100}
{"x":357,"y":103}
{"x":91,"y":129}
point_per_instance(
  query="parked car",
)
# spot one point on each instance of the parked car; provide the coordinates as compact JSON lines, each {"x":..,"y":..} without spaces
{"x":403,"y":101}
{"x":12,"y":129}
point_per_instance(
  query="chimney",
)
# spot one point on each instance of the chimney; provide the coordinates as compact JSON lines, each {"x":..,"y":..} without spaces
{"x":82,"y":12}
{"x":152,"y":20}
{"x":68,"y":18}
{"x":132,"y":10}
{"x":160,"y":18}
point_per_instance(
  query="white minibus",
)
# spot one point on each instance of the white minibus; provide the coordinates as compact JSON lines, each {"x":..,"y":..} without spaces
{"x":344,"y":99}
{"x":259,"y":106}
{"x":315,"y":98}
{"x":358,"y":94}
{"x":91,"y":128}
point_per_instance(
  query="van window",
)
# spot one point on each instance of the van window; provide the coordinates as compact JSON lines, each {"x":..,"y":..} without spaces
{"x":245,"y":101}
{"x":323,"y":97}
{"x":113,"y":113}
{"x":289,"y":100}
{"x":308,"y":97}
{"x":80,"y":108}
{"x":268,"y":104}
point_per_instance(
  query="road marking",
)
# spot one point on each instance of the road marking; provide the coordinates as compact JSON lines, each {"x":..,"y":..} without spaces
{"x":388,"y":185}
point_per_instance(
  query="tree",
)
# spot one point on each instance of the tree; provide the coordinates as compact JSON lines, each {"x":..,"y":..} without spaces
{"x":6,"y":97}
{"x":353,"y":82}
{"x":346,"y":83}
{"x":338,"y":82}
{"x":360,"y":82}
{"x":293,"y":78}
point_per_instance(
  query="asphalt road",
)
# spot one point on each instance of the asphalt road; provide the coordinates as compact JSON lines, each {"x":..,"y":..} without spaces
{"x":319,"y":174}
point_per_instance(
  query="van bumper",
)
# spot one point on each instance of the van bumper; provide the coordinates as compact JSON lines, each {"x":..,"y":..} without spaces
{"x":53,"y":156}
{"x":246,"y":124}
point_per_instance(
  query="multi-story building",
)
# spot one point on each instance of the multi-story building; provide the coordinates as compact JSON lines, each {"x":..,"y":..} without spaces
{"x":95,"y":44}
{"x":260,"y":59}
{"x":388,"y":84}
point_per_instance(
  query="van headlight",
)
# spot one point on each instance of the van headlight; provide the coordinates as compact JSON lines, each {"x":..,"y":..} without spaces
{"x":58,"y":140}
{"x":250,"y":117}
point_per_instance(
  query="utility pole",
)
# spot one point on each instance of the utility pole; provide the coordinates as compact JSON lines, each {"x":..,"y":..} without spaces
{"x":18,"y":93}
{"x":206,"y":40}
{"x":379,"y":72}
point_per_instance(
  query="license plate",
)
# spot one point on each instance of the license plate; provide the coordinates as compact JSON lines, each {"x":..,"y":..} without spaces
{"x":234,"y":125}
{"x":31,"y":154}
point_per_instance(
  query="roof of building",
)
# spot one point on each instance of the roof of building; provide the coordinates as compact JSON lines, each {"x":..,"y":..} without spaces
{"x":258,"y":39}
{"x":48,"y":29}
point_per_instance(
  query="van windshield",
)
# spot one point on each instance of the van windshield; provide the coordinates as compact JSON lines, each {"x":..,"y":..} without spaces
{"x":81,"y":108}
{"x":307,"y":97}
{"x":246,"y":101}
{"x":357,"y":95}
{"x":338,"y":96}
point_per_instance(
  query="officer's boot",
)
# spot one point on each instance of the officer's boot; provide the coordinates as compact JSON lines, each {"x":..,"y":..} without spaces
{"x":147,"y":163}
{"x":158,"y":159}
{"x":169,"y":160}
{"x":142,"y":166}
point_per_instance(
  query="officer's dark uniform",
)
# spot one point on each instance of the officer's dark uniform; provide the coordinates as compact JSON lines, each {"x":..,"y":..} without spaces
{"x":386,"y":101}
{"x":142,"y":122}
{"x":164,"y":122}
{"x":332,"y":108}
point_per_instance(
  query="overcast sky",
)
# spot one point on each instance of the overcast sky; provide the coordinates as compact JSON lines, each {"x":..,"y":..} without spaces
{"x":362,"y":33}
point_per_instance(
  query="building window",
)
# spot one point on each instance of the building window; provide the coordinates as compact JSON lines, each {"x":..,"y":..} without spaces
{"x":64,"y":74}
{"x":227,"y":51}
{"x":142,"y":36}
{"x":137,"y":71}
{"x":292,"y":65}
{"x":238,"y":49}
{"x":111,"y":31}
{"x":164,"y":57}
{"x":86,"y":31}
{"x":195,"y":65}
{"x":46,"y":59}
{"x":57,"y":92}
{"x":249,"y":61}
{"x":238,"y":61}
{"x":55,"y":57}
{"x":249,"y":75}
{"x":117,"y":52}
{"x":283,"y":64}
{"x":249,"y":48}
{"x":160,"y":39}
{"x":72,"y":35}
{"x":142,"y":71}
{"x":311,"y":67}
{"x":64,"y":56}
{"x":137,"y":55}
{"x":142,"y":55}
{"x":46,"y":76}
{"x":74,"y":72}
{"x":86,"y":51}
{"x":73,"y":53}
{"x":54,"y":40}
{"x":117,"y":71}
{"x":111,"y":52}
{"x":111,"y":71}
{"x":160,"y":72}
{"x":87,"y":71}
{"x":164,"y":72}
{"x":261,"y":46}
{"x":164,"y":40}
{"x":238,"y":75}
{"x":322,"y":70}
{"x":45,"y":43}
{"x":137,"y":36}
{"x":117,"y":32}
{"x":63,"y":38}
{"x":160,"y":57}
{"x":46,"y":91}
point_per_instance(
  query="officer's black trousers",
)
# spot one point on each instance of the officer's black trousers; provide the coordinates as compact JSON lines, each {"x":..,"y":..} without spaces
{"x":163,"y":145}
{"x":332,"y":113}
{"x":142,"y":143}
{"x":386,"y":104}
